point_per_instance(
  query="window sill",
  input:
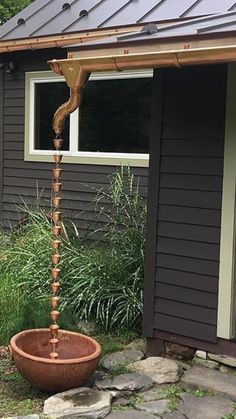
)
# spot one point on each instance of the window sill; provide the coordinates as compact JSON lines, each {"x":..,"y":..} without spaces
{"x":106,"y":159}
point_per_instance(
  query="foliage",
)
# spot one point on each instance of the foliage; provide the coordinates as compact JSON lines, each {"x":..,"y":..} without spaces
{"x":105,"y":282}
{"x":102,"y":281}
{"x":114,"y":342}
{"x":120,"y":369}
{"x":25,"y":277}
{"x":199,"y":392}
{"x":9,"y":8}
{"x":17,"y":397}
{"x":173,"y":393}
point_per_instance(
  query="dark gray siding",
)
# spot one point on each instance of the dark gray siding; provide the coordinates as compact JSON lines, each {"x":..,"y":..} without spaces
{"x":1,"y":139}
{"x":184,"y":284}
{"x":22,"y":179}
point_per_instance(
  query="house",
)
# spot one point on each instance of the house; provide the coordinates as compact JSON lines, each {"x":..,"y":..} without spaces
{"x":191,"y":47}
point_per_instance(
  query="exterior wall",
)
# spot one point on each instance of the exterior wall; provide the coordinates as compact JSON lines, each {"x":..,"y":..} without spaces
{"x":185,"y":196}
{"x":1,"y":139}
{"x":21,"y":178}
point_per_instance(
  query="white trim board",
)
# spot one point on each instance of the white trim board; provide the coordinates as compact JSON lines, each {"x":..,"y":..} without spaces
{"x":226,"y":296}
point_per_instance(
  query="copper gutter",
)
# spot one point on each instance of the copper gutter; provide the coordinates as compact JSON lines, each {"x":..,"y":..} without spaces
{"x":77,"y":70}
{"x":74,"y":69}
{"x":62,"y":40}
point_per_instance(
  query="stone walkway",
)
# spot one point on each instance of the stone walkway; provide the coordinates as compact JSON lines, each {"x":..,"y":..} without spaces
{"x":149,"y":389}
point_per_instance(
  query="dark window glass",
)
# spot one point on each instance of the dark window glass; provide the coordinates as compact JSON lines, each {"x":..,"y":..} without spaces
{"x":48,"y":97}
{"x":115,"y":116}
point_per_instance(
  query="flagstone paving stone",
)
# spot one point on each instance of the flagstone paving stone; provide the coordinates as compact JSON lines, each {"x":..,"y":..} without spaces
{"x":78,"y":403}
{"x":160,"y":370}
{"x":158,"y":407}
{"x":155,"y":393}
{"x":132,"y":381}
{"x":110,"y":361}
{"x":133,"y":414}
{"x":174,"y":415}
{"x":223,"y":359}
{"x":214,"y":407}
{"x":208,"y":379}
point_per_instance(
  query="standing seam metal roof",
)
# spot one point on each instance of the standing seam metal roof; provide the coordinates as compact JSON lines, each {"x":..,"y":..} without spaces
{"x":51,"y":17}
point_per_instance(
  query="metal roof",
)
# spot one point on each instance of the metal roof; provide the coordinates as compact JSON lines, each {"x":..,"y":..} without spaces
{"x":206,"y":25}
{"x":50,"y":17}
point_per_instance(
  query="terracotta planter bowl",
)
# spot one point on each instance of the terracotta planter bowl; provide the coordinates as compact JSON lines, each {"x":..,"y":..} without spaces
{"x":78,"y":359}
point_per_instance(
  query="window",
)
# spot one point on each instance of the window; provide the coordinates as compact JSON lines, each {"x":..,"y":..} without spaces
{"x":111,"y":126}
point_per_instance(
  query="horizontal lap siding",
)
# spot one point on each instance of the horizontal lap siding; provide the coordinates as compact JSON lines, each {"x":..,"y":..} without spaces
{"x":23,"y":180}
{"x":189,"y":202}
{"x":1,"y":138}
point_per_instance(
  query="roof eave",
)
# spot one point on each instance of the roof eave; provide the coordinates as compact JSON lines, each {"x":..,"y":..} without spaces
{"x":165,"y":54}
{"x":63,"y":40}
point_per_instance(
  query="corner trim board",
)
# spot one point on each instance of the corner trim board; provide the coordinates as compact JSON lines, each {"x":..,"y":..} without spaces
{"x":153,"y":192}
{"x":226,"y":298}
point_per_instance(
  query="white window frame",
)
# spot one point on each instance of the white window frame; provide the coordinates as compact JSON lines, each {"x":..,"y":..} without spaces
{"x":73,"y":155}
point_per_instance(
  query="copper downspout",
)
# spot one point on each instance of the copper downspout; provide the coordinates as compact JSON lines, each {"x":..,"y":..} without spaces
{"x":77,"y":70}
{"x":71,"y":105}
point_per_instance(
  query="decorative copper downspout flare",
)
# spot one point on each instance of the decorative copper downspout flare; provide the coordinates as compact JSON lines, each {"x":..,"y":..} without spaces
{"x":57,"y":230}
{"x":56,"y":244}
{"x":57,"y":201}
{"x":57,"y":143}
{"x":56,"y":187}
{"x":54,"y":329}
{"x":55,"y":302}
{"x":56,"y":273}
{"x":57,"y":158}
{"x":56,"y":216}
{"x":56,"y":286}
{"x":54,"y":315}
{"x":57,"y":173}
{"x":56,"y":258}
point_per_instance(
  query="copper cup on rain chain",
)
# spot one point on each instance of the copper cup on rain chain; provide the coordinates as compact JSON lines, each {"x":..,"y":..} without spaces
{"x":56,"y":187}
{"x":56,"y":230}
{"x":54,"y":341}
{"x":58,"y":143}
{"x":55,"y":287}
{"x":55,"y":301}
{"x":57,"y":172}
{"x":57,"y":158}
{"x":54,"y":355}
{"x":54,"y":315}
{"x":54,"y":328}
{"x":56,"y":216}
{"x":56,"y":201}
{"x":56,"y":258}
{"x":55,"y":273}
{"x":56,"y":244}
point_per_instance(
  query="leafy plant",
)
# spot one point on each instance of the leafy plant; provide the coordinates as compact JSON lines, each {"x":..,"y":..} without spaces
{"x":101,"y":280}
{"x":200,"y":392}
{"x":105,"y":281}
{"x":120,"y":369}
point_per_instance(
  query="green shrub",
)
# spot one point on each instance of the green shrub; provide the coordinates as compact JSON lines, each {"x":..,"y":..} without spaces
{"x":105,"y":281}
{"x":101,"y":280}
